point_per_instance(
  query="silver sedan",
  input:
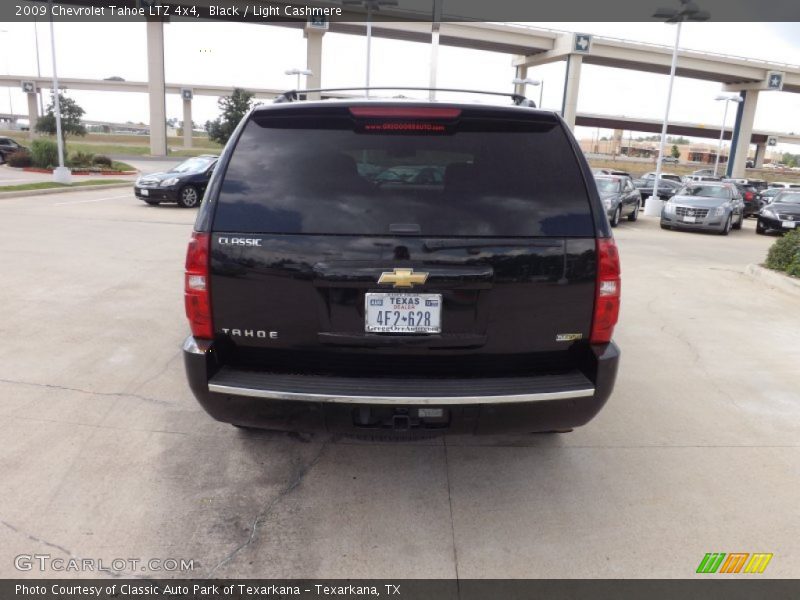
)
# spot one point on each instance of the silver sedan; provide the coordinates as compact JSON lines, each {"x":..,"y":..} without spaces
{"x":705,"y":206}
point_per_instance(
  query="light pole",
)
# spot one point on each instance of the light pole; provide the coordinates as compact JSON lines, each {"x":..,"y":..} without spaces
{"x":527,"y":81}
{"x":689,"y":11}
{"x":62,"y":173}
{"x":725,"y":99}
{"x":38,"y":67}
{"x":370,"y":5}
{"x":10,"y":104}
{"x":299,"y":72}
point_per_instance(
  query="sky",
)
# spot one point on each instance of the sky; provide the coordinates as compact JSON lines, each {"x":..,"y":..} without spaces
{"x":257,"y":55}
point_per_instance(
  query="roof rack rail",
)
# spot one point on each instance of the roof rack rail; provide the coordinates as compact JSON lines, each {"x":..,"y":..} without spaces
{"x":294,"y":95}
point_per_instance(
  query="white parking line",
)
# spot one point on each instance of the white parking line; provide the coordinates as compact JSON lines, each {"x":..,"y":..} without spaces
{"x":92,"y":200}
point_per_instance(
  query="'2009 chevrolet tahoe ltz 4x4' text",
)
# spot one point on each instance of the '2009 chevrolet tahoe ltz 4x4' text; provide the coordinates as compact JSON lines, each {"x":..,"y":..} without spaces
{"x":323,"y":296}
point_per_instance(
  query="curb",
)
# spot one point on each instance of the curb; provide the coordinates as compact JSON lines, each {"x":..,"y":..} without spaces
{"x":46,"y":191}
{"x":774,"y":278}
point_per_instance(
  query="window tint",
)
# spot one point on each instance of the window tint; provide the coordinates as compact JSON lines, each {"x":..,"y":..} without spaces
{"x":607,"y":185}
{"x":707,"y":191}
{"x":194,"y":165}
{"x":788,"y":197}
{"x":327,"y":175}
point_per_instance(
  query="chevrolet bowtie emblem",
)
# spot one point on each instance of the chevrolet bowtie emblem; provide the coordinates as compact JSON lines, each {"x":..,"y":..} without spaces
{"x":403,"y":278}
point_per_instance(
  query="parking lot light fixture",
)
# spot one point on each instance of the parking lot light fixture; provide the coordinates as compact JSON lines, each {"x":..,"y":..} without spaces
{"x":299,"y":72}
{"x":528,"y":81}
{"x":61,"y":174}
{"x":689,"y":11}
{"x":726,"y":99}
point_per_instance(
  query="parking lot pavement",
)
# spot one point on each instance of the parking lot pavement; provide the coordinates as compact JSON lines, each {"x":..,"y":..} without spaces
{"x":106,"y":455}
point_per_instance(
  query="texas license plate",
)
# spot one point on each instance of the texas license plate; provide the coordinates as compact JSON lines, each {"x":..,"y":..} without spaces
{"x":403,"y":313}
{"x":144,"y":192}
{"x":788,"y":224}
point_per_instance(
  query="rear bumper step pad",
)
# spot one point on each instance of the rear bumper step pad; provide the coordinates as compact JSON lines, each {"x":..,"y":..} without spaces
{"x":398,"y":391}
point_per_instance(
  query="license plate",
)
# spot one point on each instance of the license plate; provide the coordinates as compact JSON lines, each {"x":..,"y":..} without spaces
{"x":403,"y":313}
{"x":144,"y":192}
{"x":690,"y":219}
{"x":788,"y":224}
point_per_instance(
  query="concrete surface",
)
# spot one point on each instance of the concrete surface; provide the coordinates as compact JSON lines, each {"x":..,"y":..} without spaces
{"x":105,"y":453}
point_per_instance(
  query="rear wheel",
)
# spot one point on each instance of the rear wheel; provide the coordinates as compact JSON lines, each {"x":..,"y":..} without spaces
{"x":189,"y":197}
{"x":635,"y":214}
{"x":615,"y":218}
{"x":740,"y":222}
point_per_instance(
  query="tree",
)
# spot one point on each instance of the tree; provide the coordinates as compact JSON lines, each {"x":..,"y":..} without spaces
{"x":790,"y":160}
{"x":233,"y":108}
{"x":675,"y":151}
{"x":71,"y":115}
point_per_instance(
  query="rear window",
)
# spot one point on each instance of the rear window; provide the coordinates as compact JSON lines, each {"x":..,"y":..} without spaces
{"x":336,"y":175}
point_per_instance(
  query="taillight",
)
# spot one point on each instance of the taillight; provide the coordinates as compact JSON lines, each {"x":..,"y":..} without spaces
{"x":607,"y":293}
{"x":196,"y":291}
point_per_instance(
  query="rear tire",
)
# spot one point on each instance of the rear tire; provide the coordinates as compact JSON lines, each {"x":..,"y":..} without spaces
{"x":615,"y":219}
{"x":189,"y":197}
{"x":740,"y":222}
{"x":635,"y":214}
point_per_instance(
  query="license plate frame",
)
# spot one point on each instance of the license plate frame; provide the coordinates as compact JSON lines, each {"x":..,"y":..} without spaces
{"x":398,"y":306}
{"x":144,"y":192}
{"x":690,"y":219}
{"x":788,"y":224}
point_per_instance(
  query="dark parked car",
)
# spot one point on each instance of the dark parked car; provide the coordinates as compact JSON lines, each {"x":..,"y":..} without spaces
{"x":704,"y":206}
{"x":8,"y":146}
{"x":319,"y":300}
{"x":782,"y":214}
{"x":750,"y":194}
{"x":666,"y":187}
{"x":184,"y":184}
{"x":619,"y":197}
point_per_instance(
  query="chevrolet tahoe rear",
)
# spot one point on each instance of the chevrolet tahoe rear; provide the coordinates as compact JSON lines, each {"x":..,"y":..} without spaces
{"x":398,"y":267}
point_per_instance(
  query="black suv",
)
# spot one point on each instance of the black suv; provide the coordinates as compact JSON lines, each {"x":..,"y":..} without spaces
{"x":7,"y":147}
{"x":321,"y":299}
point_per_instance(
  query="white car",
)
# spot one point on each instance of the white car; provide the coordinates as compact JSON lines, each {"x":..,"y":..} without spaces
{"x":784,"y":184}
